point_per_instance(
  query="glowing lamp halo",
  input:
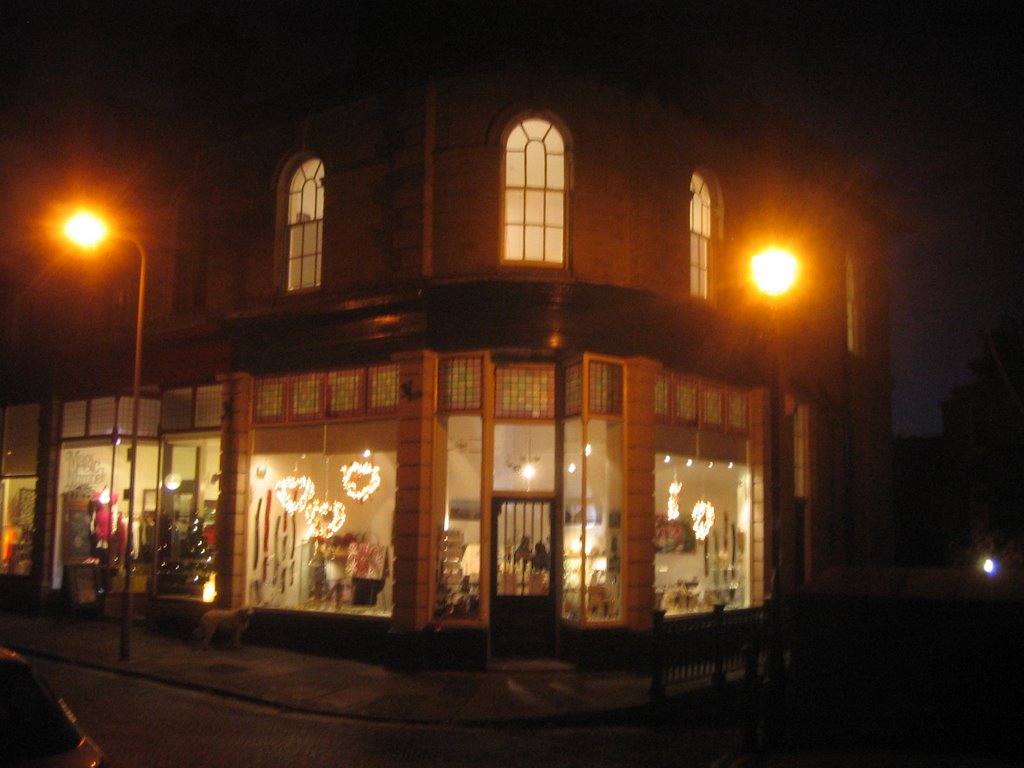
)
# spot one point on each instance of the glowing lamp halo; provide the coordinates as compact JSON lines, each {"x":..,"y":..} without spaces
{"x":294,"y":492}
{"x":774,"y":271}
{"x":360,"y":479}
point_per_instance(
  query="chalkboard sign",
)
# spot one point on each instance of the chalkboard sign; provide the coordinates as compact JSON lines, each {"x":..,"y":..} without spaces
{"x":83,"y":585}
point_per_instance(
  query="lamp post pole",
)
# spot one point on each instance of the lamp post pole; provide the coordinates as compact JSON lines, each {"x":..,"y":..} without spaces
{"x":86,"y":230}
{"x":774,"y":271}
{"x":127,"y":607}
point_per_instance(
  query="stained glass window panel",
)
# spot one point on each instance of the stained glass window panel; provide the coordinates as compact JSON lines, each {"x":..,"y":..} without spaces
{"x":525,"y":393}
{"x":686,"y":401}
{"x":307,"y":400}
{"x":605,"y":387}
{"x":345,"y":392}
{"x":269,"y":399}
{"x":573,"y":390}
{"x":73,"y":419}
{"x":736,"y":411}
{"x":209,"y":405}
{"x":711,"y":403}
{"x":383,"y":389}
{"x":661,"y":407}
{"x":461,"y":384}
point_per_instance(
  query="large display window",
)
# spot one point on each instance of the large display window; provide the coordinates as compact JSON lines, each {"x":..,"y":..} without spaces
{"x":186,"y":504}
{"x":592,"y":536}
{"x":459,"y":535}
{"x":93,"y":486}
{"x":702,"y":528}
{"x":321,"y":513}
{"x":19,"y":430}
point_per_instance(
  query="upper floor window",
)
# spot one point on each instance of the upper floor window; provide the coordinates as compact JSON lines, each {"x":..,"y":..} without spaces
{"x":700,"y":236}
{"x":535,"y":194}
{"x":305,"y":225}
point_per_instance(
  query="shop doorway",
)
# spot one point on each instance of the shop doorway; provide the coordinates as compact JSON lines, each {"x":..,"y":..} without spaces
{"x":524,"y":578}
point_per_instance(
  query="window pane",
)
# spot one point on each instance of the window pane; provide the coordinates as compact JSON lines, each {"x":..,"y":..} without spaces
{"x":514,"y":242}
{"x":535,"y":164}
{"x":514,"y":207}
{"x":553,"y":245}
{"x":536,"y":129}
{"x":524,"y":457}
{"x":556,"y":172}
{"x":294,"y":274}
{"x":572,"y":530}
{"x":553,"y":142}
{"x":516,"y":140}
{"x":554,"y":215}
{"x":515,"y":169}
{"x":534,"y":207}
{"x":534,"y":246}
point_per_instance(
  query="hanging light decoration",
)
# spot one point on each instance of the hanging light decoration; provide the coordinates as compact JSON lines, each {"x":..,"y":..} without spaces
{"x":325,"y":517}
{"x":703,"y":518}
{"x":294,"y":493}
{"x":360,"y":479}
{"x":673,"y":499}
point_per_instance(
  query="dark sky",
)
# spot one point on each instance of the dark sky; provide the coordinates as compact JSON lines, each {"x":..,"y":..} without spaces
{"x":921,"y":94}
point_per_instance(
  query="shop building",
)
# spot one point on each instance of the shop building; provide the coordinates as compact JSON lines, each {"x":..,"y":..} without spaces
{"x":475,"y":369}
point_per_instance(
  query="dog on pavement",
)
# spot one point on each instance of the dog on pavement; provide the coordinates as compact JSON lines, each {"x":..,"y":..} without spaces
{"x":226,"y":621}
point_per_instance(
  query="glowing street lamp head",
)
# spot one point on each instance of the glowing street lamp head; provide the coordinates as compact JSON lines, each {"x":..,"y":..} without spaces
{"x":85,"y":229}
{"x":774,"y":271}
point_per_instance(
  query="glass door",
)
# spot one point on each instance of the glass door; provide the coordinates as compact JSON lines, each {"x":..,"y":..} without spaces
{"x":523,"y":595}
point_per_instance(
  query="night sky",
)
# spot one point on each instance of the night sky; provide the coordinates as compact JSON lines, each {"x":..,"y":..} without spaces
{"x":922,"y":95}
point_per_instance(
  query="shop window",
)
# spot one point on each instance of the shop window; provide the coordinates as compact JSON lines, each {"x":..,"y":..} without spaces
{"x":321,"y":515}
{"x":700,"y":236}
{"x":94,"y":484}
{"x":605,"y":385}
{"x":188,"y":492}
{"x":19,"y":438}
{"x":353,"y":392}
{"x":457,"y":590}
{"x":592,"y":533}
{"x":702,"y":521}
{"x":305,"y":226}
{"x":535,"y":183}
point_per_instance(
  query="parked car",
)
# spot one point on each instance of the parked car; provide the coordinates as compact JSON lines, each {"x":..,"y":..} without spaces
{"x":36,"y":727}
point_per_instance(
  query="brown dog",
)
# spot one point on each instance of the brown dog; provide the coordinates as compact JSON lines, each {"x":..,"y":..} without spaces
{"x":234,"y":621}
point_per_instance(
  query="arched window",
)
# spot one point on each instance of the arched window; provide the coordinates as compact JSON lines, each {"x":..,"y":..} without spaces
{"x":305,"y":225}
{"x":700,"y":236}
{"x":534,"y":194}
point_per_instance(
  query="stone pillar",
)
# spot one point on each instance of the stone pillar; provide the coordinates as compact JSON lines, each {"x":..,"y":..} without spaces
{"x":641,"y":374}
{"x":232,"y":506}
{"x":417,"y":376}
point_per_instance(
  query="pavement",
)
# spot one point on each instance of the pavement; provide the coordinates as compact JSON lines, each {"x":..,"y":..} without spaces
{"x":521,"y":692}
{"x":508,"y":694}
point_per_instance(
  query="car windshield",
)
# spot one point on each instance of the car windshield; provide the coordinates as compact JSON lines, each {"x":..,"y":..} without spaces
{"x":32,"y":722}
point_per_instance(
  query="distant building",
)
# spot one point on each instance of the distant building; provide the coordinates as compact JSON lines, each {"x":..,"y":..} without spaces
{"x":471,"y":355}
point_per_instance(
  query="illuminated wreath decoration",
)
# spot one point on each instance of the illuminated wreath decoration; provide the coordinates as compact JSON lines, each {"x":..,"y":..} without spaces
{"x":703,"y":518}
{"x":325,"y":517}
{"x":368,"y":474}
{"x":673,"y":500}
{"x":294,"y":493}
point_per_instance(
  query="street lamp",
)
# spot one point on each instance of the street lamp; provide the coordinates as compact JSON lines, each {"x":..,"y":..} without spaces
{"x":87,"y":231}
{"x":774,"y":271}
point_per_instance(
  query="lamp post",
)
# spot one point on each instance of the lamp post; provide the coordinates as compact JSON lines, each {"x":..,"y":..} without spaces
{"x":774,"y":271}
{"x":88,"y":231}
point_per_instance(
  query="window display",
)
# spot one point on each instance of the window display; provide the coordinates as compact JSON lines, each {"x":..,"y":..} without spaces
{"x":592,"y":521}
{"x":457,"y":592}
{"x":188,"y":492}
{"x":93,"y":491}
{"x":701,"y":532}
{"x":322,"y":504}
{"x":19,"y":430}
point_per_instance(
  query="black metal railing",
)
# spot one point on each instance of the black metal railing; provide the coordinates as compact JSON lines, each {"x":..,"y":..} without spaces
{"x":691,"y":647}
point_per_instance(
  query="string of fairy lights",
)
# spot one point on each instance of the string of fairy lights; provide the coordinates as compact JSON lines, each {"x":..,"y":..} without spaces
{"x":297,"y":495}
